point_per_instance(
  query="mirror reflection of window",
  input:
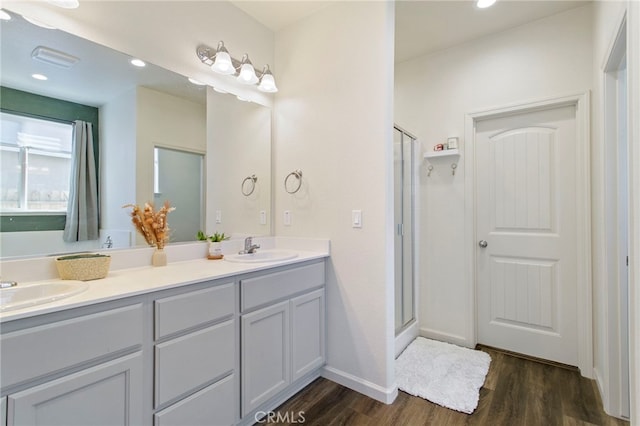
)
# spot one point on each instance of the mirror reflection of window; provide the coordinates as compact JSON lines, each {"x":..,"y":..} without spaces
{"x":178,"y":178}
{"x":36,"y":164}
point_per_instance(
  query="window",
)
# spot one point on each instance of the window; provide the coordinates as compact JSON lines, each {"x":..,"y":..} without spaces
{"x":35,"y":156}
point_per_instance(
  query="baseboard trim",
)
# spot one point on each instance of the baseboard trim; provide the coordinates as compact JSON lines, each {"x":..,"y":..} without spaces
{"x":446,"y":337}
{"x":365,"y":387}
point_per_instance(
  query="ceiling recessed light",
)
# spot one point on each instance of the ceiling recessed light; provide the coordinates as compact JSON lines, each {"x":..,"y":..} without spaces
{"x":40,"y":77}
{"x":196,"y":82}
{"x":138,"y":63}
{"x":4,"y":16}
{"x":483,"y":4}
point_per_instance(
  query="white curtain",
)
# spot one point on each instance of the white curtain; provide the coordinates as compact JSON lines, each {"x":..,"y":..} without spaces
{"x":82,"y":210}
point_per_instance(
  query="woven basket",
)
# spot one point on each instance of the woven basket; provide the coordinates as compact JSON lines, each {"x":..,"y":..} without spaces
{"x":83,"y":267}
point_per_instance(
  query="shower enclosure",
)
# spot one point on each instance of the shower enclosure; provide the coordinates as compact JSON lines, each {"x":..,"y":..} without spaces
{"x":404,"y":147}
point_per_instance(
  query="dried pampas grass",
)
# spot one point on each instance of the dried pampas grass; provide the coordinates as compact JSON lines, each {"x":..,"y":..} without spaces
{"x":152,"y":225}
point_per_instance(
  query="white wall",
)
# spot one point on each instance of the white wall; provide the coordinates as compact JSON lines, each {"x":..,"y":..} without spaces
{"x":239,"y":143}
{"x":546,"y":58}
{"x":336,"y":126}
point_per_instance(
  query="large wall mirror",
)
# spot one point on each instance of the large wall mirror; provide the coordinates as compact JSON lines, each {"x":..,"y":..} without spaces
{"x":145,"y":115}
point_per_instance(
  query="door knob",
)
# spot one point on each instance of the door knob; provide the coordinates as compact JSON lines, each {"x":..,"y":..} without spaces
{"x":483,"y":243}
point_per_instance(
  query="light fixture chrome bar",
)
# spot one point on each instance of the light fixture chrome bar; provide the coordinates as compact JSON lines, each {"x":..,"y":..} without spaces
{"x":207,"y":55}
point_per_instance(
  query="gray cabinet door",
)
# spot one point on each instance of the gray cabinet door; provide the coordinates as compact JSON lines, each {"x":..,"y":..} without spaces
{"x":107,"y":394}
{"x":265,"y":355}
{"x":307,"y":333}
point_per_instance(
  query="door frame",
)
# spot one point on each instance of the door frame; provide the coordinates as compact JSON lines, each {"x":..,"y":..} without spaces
{"x":581,"y":101}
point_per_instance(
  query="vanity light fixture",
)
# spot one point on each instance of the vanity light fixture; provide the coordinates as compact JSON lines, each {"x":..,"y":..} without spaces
{"x":222,"y":62}
{"x":483,"y":4}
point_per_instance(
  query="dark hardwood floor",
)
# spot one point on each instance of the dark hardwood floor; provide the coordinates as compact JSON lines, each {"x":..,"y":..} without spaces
{"x":516,"y":392}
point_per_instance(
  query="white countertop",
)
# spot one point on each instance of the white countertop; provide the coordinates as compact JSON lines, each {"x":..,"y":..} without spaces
{"x":129,"y":282}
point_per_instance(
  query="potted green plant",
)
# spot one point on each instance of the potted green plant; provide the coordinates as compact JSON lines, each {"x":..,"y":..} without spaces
{"x":215,"y":243}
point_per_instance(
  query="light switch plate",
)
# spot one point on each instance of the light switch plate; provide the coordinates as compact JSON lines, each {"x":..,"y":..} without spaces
{"x":218,"y":216}
{"x":263,"y":217}
{"x":356,"y":218}
{"x":287,"y":218}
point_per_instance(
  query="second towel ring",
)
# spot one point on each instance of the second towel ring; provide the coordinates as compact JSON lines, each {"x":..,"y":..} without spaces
{"x":252,"y":179}
{"x":298,"y":175}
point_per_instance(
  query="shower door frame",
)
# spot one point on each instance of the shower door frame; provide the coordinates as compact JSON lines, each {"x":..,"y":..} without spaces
{"x":409,"y":330}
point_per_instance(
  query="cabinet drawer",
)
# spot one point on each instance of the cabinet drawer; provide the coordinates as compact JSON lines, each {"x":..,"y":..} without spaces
{"x":190,"y":361}
{"x":268,"y":288}
{"x":213,"y":405}
{"x":177,"y":313}
{"x":37,"y":351}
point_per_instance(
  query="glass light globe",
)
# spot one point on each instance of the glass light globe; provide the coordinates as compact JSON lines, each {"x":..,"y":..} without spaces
{"x":223,"y":64}
{"x":268,"y":84}
{"x":247,"y":74}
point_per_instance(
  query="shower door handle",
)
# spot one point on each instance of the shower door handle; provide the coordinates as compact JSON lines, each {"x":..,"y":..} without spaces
{"x":483,"y":243}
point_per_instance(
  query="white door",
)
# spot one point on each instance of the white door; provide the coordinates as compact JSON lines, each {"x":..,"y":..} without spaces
{"x":526,"y":228}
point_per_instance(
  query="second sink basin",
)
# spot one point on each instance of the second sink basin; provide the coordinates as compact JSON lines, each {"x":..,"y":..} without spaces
{"x":19,"y":297}
{"x":262,"y":256}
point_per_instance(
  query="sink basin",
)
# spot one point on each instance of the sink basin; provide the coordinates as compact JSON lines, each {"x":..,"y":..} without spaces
{"x":23,"y":296}
{"x":262,"y":256}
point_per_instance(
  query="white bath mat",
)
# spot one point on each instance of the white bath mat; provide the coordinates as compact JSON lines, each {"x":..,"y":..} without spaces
{"x":443,"y":373}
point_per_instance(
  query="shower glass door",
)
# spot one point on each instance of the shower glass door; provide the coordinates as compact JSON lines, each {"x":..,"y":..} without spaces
{"x":403,"y":153}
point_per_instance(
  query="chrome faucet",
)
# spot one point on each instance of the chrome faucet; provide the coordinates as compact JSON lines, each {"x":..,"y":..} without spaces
{"x":8,"y":284}
{"x":249,"y":247}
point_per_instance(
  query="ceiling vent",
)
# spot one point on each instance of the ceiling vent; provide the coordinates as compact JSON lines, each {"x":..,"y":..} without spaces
{"x":54,"y":57}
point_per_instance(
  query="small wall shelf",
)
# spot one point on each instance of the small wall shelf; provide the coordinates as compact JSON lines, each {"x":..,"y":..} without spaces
{"x":443,"y":153}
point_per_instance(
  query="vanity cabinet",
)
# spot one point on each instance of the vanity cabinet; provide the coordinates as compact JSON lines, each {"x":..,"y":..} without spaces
{"x":283,"y":333}
{"x":195,"y":357}
{"x":205,"y":353}
{"x":80,"y":369}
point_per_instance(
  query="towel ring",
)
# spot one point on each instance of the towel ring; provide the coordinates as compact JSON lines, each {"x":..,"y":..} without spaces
{"x":252,"y":180}
{"x":298,"y":175}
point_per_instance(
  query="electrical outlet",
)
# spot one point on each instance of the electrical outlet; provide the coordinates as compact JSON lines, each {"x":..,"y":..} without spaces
{"x":263,"y":217}
{"x":287,"y":218}
{"x":218,"y":216}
